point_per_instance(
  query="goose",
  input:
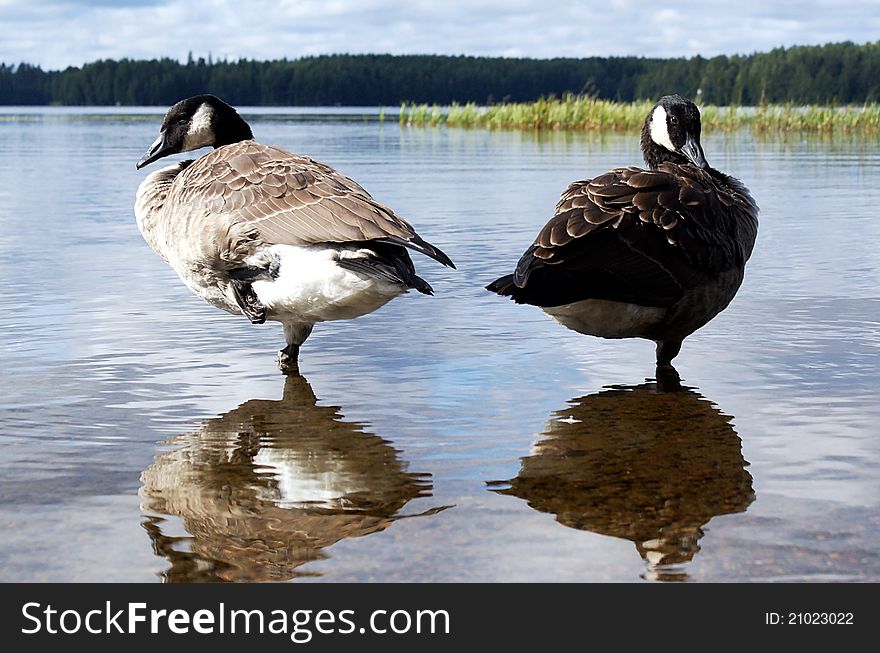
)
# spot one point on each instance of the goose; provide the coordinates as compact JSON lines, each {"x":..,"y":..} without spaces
{"x":261,"y":232}
{"x":650,"y":253}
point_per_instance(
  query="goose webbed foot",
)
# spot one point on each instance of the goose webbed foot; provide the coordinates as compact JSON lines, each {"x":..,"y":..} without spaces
{"x":288,"y":360}
{"x":668,"y":379}
{"x":295,"y":333}
{"x":248,"y":301}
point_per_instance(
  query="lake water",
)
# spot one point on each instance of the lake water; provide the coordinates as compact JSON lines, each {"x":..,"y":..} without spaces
{"x":149,"y":437}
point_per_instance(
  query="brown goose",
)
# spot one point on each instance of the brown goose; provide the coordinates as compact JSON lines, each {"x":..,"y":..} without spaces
{"x":637,"y":253}
{"x":256,"y":230}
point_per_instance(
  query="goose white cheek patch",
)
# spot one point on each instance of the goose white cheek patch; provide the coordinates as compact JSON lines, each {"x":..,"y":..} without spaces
{"x":200,"y":132}
{"x":659,"y":130}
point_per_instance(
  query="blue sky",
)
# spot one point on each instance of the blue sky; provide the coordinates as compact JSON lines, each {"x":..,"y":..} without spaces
{"x":59,"y":33}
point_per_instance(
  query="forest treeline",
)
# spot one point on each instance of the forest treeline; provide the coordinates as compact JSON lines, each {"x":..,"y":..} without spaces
{"x":832,"y":73}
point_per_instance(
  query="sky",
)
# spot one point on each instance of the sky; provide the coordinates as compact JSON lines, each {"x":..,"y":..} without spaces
{"x":59,"y":33}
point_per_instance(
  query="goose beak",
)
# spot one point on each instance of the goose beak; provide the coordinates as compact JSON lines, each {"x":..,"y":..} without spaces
{"x":694,"y":152}
{"x":157,"y":150}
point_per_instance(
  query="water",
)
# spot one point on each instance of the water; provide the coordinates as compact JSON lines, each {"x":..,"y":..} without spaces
{"x":147,"y":436}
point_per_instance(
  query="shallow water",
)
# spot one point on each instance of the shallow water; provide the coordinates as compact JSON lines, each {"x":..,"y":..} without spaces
{"x":147,"y":436}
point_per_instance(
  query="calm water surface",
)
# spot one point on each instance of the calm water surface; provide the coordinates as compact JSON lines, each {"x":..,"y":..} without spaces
{"x":147,"y":436}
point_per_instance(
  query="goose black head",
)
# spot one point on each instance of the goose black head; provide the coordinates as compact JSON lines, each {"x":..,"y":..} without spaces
{"x":672,"y":133}
{"x":199,"y":121}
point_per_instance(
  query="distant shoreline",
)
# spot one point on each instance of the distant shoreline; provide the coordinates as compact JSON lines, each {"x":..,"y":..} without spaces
{"x":833,"y":73}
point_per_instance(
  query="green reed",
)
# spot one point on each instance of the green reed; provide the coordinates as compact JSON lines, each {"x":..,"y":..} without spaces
{"x":573,"y":112}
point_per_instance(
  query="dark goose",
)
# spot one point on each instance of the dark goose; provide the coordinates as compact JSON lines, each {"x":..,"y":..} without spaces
{"x":637,"y":253}
{"x":256,"y":230}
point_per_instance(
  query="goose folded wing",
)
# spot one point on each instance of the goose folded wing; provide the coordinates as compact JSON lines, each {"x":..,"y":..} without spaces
{"x":288,"y":199}
{"x":630,"y":235}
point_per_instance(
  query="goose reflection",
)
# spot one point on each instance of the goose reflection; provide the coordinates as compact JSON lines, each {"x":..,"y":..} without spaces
{"x":651,"y":463}
{"x":266,"y":487}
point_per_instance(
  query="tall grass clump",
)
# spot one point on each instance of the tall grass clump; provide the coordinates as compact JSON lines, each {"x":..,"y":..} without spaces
{"x":581,"y":113}
{"x":422,"y":114}
{"x":818,"y":119}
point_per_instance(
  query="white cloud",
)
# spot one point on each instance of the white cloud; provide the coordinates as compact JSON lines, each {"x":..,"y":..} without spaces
{"x":58,"y":33}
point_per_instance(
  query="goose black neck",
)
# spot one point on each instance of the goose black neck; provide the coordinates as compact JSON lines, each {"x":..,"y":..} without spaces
{"x":229,"y":127}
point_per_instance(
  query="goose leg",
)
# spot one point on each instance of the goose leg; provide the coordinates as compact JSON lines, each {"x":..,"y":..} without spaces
{"x":666,"y":351}
{"x":288,"y":358}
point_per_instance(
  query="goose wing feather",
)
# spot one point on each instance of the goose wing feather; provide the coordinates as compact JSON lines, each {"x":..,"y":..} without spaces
{"x":257,"y":192}
{"x":637,"y":236}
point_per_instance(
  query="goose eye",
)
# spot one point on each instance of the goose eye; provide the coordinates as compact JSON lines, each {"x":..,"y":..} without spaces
{"x":673,"y":120}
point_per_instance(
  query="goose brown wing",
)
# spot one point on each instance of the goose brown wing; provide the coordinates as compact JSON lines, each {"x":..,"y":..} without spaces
{"x":631,"y":235}
{"x":282,"y":198}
